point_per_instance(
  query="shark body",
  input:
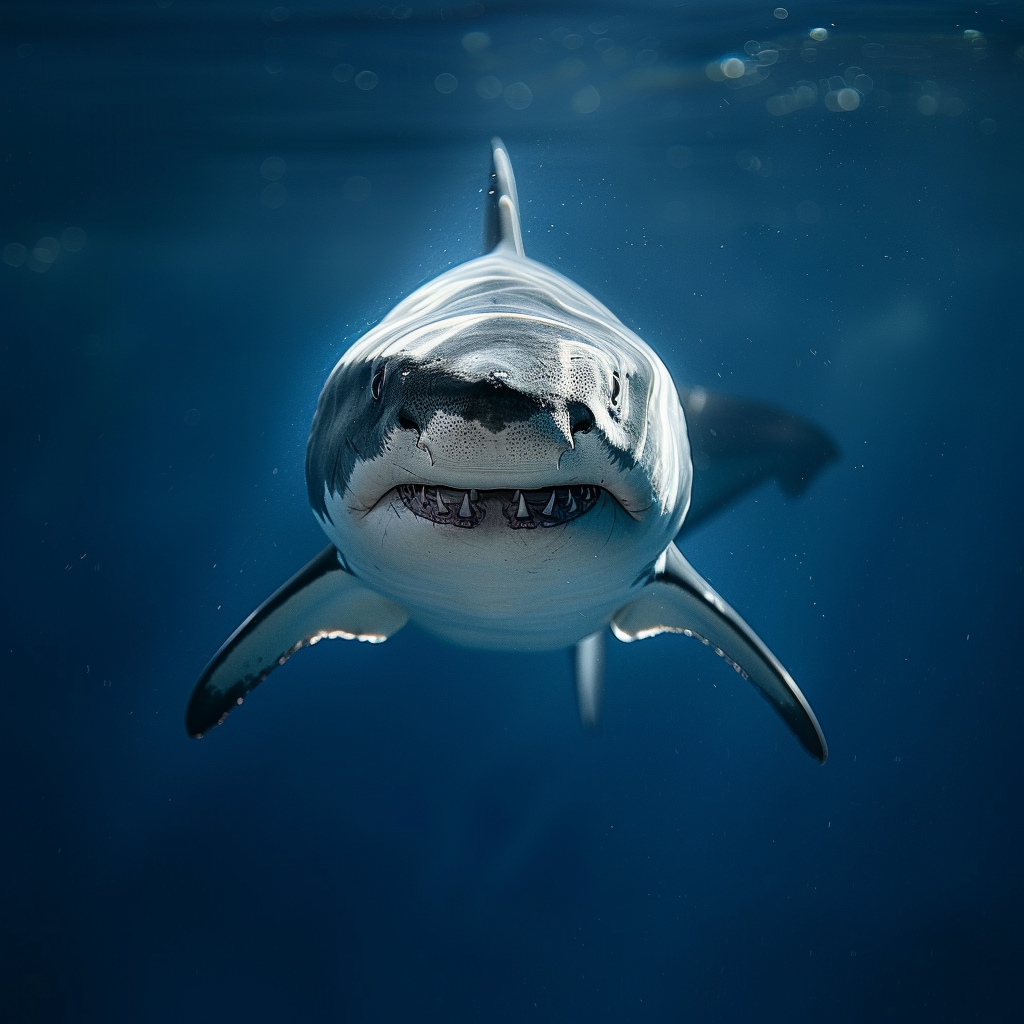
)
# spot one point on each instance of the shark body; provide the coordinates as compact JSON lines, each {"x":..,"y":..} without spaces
{"x":505,"y":463}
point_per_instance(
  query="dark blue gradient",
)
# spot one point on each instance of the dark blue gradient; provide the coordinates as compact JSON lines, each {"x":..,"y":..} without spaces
{"x":413,"y":832}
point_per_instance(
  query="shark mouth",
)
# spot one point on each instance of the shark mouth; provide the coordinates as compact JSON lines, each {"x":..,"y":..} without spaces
{"x":522,"y":510}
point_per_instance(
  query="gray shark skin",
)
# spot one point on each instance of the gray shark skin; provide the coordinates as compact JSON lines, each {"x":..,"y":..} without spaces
{"x":505,"y":463}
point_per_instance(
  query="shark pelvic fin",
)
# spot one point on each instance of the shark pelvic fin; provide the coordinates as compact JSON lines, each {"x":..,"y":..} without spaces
{"x":678,"y":600}
{"x":589,"y":658}
{"x":501,"y":219}
{"x":321,"y":601}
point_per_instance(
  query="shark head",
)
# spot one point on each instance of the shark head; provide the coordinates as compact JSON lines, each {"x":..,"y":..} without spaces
{"x":496,"y":416}
{"x":500,"y":425}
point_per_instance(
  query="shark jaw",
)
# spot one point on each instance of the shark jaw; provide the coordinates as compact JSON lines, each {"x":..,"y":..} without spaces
{"x":492,"y":579}
{"x":518,"y":509}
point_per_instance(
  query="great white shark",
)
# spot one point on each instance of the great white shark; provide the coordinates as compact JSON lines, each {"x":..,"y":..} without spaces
{"x":505,"y":463}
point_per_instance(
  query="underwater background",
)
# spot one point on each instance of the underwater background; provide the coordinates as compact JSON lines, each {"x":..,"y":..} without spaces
{"x":203,"y":204}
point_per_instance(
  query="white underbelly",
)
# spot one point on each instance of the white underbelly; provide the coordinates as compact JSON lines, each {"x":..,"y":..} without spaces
{"x":500,"y":588}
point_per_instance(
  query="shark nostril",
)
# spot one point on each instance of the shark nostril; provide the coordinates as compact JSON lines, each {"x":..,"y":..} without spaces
{"x":581,"y":420}
{"x":406,"y":423}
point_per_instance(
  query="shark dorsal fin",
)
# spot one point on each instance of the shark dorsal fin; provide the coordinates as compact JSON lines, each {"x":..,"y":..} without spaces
{"x":501,"y":221}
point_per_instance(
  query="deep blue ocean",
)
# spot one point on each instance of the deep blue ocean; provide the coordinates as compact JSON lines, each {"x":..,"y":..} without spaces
{"x":202,"y":204}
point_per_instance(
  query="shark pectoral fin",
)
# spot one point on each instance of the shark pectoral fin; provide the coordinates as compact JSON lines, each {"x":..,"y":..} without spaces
{"x":736,"y":444}
{"x":590,"y":677}
{"x":321,"y":601}
{"x":678,"y":600}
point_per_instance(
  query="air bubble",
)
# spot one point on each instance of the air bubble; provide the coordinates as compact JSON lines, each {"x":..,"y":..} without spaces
{"x":43,"y":254}
{"x":586,"y":101}
{"x":803,"y":94}
{"x":446,"y":83}
{"x":15,"y":254}
{"x":733,"y":67}
{"x":572,"y":67}
{"x":72,"y":239}
{"x":272,"y":168}
{"x":366,"y":80}
{"x":748,"y":161}
{"x":616,"y":55}
{"x":518,"y":95}
{"x":47,"y":249}
{"x":844,"y":99}
{"x":808,"y":212}
{"x":474,"y":42}
{"x":488,"y":88}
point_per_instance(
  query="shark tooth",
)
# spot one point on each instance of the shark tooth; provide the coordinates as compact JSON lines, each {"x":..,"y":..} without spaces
{"x":442,"y":508}
{"x":473,"y":496}
{"x":522,"y":512}
{"x":572,"y":504}
{"x":465,"y":512}
{"x":550,"y":506}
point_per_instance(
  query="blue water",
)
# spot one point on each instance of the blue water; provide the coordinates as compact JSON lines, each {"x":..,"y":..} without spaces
{"x":202,"y":205}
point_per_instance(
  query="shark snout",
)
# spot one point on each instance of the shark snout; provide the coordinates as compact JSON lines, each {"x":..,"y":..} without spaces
{"x":488,"y":423}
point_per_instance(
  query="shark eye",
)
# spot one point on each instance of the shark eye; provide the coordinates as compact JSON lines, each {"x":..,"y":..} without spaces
{"x":615,"y":388}
{"x":376,"y":383}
